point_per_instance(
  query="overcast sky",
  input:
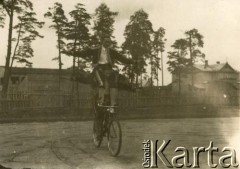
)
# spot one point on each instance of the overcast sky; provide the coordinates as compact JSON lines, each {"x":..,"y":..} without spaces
{"x":217,"y":20}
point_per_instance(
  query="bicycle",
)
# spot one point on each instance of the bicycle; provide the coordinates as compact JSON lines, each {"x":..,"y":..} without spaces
{"x":111,"y":128}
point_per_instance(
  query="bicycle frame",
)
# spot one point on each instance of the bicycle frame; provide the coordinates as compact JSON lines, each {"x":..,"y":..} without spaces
{"x":109,"y":115}
{"x":111,"y":128}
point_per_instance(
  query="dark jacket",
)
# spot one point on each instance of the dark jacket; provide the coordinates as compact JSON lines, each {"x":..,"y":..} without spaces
{"x":95,"y":53}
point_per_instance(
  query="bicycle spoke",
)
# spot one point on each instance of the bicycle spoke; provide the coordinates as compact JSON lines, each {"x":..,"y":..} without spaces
{"x":113,"y":131}
{"x":96,"y":140}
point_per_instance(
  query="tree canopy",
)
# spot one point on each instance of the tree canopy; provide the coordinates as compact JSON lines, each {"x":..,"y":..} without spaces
{"x":80,"y":30}
{"x":77,"y":32}
{"x":103,"y":27}
{"x":138,"y":41}
{"x":27,"y":33}
{"x":178,"y":61}
{"x":57,"y":15}
{"x":2,"y":17}
{"x":195,"y":42}
{"x":158,"y":46}
{"x":11,"y":8}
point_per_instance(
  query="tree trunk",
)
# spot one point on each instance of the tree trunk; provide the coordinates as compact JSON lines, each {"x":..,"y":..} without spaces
{"x":18,"y":40}
{"x":151,"y":71}
{"x":74,"y":59}
{"x":59,"y":59}
{"x":77,"y":84}
{"x":137,"y":80}
{"x":9,"y":48}
{"x":157,"y":69}
{"x":132,"y":79}
{"x":179,"y":84}
{"x":130,"y":75}
{"x":137,"y":74}
{"x":162,"y":68}
{"x":191,"y":56}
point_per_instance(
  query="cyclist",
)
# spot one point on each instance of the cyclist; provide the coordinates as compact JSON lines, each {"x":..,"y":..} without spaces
{"x":105,"y":74}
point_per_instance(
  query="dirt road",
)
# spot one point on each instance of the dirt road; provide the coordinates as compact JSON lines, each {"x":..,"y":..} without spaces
{"x":68,"y":145}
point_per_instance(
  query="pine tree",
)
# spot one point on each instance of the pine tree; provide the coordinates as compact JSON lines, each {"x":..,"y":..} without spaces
{"x":104,"y":19}
{"x":2,"y":17}
{"x":27,"y":33}
{"x":57,"y":15}
{"x":77,"y":32}
{"x":158,"y":46}
{"x":178,"y":61}
{"x":12,"y":8}
{"x":195,"y":42}
{"x":138,"y":41}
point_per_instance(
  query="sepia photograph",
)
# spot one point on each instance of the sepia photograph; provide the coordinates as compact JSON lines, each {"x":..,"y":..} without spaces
{"x":110,"y":84}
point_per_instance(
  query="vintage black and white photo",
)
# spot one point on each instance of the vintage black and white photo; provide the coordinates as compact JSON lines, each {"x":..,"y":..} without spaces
{"x":110,"y":84}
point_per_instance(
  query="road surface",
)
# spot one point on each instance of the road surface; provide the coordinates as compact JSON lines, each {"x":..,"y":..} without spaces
{"x":68,"y":145}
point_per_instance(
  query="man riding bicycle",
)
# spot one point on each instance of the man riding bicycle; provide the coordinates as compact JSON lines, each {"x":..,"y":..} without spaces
{"x":105,"y":74}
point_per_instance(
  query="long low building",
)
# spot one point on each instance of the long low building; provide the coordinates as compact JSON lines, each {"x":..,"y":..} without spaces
{"x":39,"y":80}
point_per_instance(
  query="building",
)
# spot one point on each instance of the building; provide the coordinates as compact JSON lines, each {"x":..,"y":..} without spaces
{"x":36,"y":80}
{"x":44,"y":80}
{"x":218,"y":79}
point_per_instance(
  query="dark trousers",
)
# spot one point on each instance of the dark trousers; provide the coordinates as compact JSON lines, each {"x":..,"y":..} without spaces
{"x":107,"y":83}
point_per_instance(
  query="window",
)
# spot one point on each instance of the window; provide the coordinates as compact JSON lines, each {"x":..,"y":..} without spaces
{"x":15,"y":80}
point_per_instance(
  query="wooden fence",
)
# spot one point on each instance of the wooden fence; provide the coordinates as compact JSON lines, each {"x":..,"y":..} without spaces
{"x":23,"y":100}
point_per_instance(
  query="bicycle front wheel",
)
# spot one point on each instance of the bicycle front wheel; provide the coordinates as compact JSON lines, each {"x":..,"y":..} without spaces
{"x":114,"y":137}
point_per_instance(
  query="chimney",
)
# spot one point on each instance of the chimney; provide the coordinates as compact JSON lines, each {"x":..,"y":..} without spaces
{"x":218,"y":62}
{"x":206,"y":64}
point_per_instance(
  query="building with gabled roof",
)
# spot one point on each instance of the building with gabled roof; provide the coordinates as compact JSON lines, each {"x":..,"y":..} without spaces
{"x":215,"y":72}
{"x":209,"y":79}
{"x":218,"y":67}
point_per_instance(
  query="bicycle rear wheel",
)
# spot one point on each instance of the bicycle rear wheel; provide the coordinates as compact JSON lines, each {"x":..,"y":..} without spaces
{"x":114,"y":137}
{"x":97,"y":141}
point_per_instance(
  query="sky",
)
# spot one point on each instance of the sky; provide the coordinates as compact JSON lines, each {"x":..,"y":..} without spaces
{"x":217,"y":20}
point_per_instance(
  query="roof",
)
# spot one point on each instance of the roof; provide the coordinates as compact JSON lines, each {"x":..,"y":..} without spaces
{"x":213,"y":67}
